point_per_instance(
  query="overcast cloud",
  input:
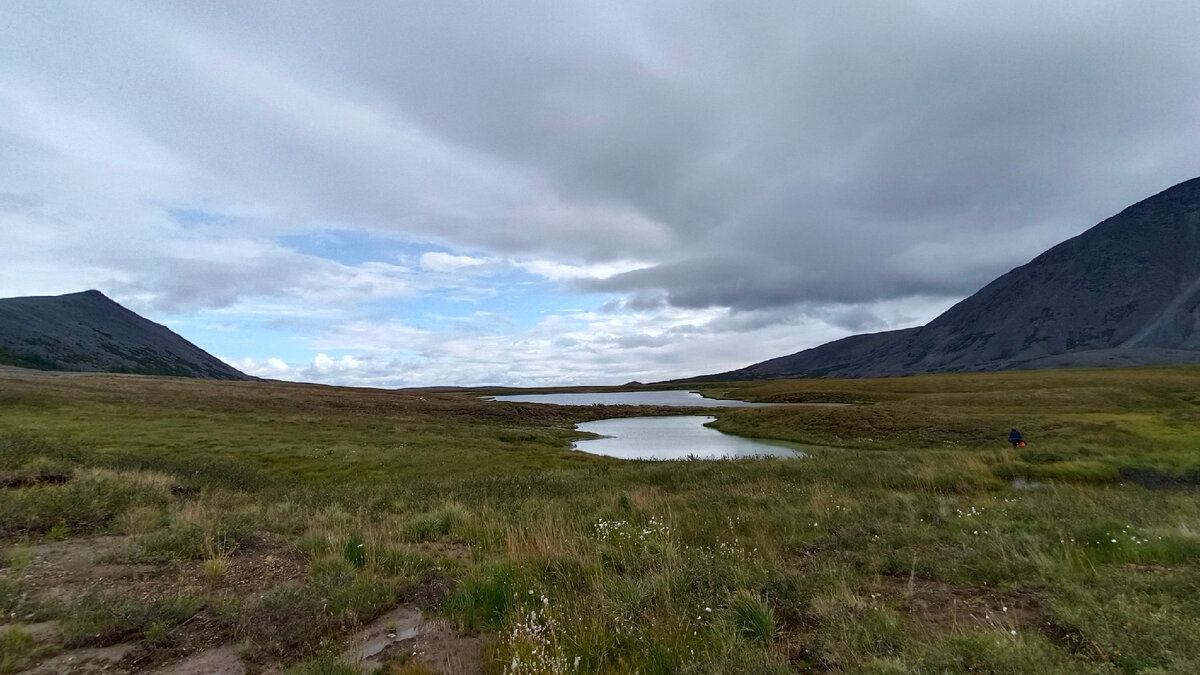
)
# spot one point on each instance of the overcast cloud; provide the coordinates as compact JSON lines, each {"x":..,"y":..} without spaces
{"x":400,"y":193}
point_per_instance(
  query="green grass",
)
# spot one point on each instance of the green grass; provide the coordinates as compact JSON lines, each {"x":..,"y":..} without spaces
{"x":856,"y":559}
{"x":104,"y":618}
{"x":752,"y":617}
{"x":324,"y":665}
{"x":17,"y":649}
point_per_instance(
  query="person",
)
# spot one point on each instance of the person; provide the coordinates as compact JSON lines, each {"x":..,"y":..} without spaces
{"x":1015,"y":438}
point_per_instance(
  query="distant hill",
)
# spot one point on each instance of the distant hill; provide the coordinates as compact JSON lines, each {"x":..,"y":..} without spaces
{"x":1125,"y":292}
{"x":89,"y":332}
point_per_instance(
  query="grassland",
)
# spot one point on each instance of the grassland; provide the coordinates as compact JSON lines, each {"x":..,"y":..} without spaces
{"x":164,"y":517}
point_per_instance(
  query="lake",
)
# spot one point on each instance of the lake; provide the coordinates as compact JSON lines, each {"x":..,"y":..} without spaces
{"x":669,"y":398}
{"x":674,"y":437}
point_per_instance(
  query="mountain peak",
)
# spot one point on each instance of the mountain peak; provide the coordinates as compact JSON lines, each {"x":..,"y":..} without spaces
{"x":88,"y":331}
{"x":1125,"y":292}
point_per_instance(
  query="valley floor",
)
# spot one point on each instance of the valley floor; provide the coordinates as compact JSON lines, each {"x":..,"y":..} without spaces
{"x":171,"y":525}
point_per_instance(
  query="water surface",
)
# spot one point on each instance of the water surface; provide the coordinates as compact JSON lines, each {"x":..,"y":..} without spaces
{"x":675,"y":437}
{"x":671,"y":398}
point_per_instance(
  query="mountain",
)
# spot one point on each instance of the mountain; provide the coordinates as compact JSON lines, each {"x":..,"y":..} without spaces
{"x":88,"y":332}
{"x":1125,"y":292}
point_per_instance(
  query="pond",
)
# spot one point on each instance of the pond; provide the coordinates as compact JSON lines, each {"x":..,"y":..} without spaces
{"x":674,"y":437}
{"x":669,"y":398}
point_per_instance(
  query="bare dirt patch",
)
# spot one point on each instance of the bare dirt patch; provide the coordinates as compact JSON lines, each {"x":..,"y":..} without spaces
{"x":70,"y":568}
{"x":219,"y":661}
{"x":71,"y":559}
{"x":67,"y":570}
{"x":939,"y":606}
{"x":202,"y":642}
{"x":256,"y":566}
{"x":42,"y":631}
{"x":80,"y":661}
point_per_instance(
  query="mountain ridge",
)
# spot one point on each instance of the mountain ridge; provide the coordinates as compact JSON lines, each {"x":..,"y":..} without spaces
{"x":1126,"y":290}
{"x":89,"y":332}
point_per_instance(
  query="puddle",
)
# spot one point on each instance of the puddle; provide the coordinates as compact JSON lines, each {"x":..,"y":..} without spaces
{"x":396,"y":626}
{"x":675,"y":437}
{"x":404,"y":635}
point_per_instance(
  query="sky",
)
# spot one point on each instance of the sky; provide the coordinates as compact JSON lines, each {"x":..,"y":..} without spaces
{"x":398,"y":194}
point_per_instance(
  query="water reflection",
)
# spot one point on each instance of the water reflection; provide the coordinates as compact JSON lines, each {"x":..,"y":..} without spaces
{"x":675,"y":437}
{"x":671,"y":398}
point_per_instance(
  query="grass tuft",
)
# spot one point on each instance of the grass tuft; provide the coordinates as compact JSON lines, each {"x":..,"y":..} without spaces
{"x":17,"y":648}
{"x":752,"y":617}
{"x":324,"y":665}
{"x":437,"y":523}
{"x":354,"y":552}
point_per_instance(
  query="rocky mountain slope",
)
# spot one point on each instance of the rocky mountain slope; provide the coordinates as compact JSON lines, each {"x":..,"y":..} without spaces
{"x":1126,"y":292}
{"x":89,"y":332}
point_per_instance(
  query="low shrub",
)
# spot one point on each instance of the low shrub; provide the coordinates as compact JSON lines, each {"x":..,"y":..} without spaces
{"x":88,"y":503}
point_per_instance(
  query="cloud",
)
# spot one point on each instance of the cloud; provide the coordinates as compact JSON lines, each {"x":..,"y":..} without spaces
{"x":184,"y":284}
{"x":438,"y":261}
{"x":559,"y":271}
{"x":808,"y":169}
{"x":325,"y":366}
{"x":271,"y":368}
{"x":577,"y":347}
